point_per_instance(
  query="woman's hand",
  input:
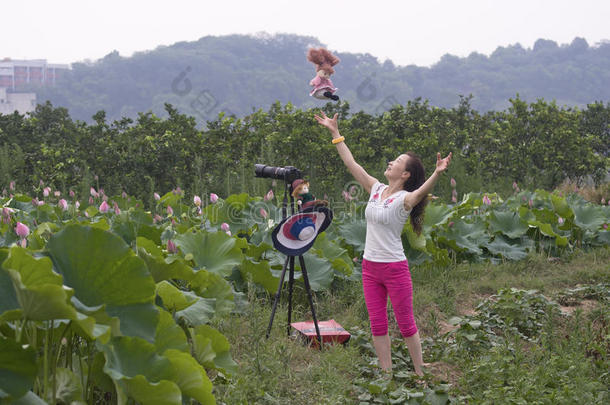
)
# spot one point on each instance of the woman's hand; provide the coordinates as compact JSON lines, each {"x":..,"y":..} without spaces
{"x":329,"y":123}
{"x":442,"y":164}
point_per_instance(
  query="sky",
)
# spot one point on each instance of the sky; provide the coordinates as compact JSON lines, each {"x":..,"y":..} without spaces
{"x":408,"y":32}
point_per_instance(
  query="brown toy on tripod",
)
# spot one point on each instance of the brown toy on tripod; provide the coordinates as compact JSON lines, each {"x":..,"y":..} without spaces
{"x":300,"y":191}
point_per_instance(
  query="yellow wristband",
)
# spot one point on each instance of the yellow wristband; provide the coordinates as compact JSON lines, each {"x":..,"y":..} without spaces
{"x":339,"y":139}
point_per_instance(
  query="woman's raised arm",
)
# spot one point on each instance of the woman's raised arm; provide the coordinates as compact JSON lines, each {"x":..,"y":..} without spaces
{"x":361,"y":176}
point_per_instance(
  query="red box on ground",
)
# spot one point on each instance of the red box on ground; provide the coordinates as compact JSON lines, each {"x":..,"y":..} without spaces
{"x":330,"y":331}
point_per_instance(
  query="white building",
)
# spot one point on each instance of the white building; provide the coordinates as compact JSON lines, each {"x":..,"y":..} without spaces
{"x":20,"y":102}
{"x":15,"y":73}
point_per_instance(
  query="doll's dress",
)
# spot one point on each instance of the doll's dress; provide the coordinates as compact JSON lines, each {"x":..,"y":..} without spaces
{"x":321,"y":86}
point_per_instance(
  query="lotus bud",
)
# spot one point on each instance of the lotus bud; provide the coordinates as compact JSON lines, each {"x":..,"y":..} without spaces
{"x":213,"y":198}
{"x":93,"y":192}
{"x":63,"y":204}
{"x":46,"y":191}
{"x":77,"y":204}
{"x":486,"y":200}
{"x":263,"y":213}
{"x":225,"y":227}
{"x":104,"y":207}
{"x":71,"y":194}
{"x":157,"y":196}
{"x":170,"y":211}
{"x":453,"y":183}
{"x":171,"y":247}
{"x":197,"y":200}
{"x":22,"y":230}
{"x":269,"y":195}
{"x":57,"y":193}
{"x":91,"y":202}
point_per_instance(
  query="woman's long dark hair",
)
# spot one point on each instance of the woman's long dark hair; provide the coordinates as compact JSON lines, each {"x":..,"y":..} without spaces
{"x":418,"y":177}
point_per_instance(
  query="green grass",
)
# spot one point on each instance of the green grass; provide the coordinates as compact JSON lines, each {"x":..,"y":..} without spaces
{"x":566,"y":363}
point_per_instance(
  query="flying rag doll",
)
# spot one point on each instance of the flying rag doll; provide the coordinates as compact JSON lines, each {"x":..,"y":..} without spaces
{"x":323,"y":87}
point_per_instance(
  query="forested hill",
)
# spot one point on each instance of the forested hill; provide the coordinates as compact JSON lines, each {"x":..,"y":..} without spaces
{"x":239,"y":73}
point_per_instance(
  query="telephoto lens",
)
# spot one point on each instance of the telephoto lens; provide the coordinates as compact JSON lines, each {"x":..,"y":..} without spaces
{"x":288,"y":173}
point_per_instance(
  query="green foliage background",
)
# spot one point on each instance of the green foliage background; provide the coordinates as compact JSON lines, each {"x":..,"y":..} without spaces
{"x":537,"y":145}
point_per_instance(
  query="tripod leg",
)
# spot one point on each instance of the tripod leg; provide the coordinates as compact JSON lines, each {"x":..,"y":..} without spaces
{"x":290,"y":284}
{"x":277,"y":296}
{"x":308,"y":289}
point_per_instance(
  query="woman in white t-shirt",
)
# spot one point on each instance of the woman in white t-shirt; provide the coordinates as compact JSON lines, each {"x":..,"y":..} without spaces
{"x":385,"y":270}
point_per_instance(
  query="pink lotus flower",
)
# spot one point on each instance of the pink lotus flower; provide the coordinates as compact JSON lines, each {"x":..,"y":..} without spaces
{"x":11,"y":186}
{"x":91,"y":202}
{"x":269,"y":195}
{"x":263,"y":213}
{"x":94,"y":193}
{"x":225,"y":227}
{"x":171,"y":247}
{"x":71,"y":194}
{"x":213,"y":198}
{"x":6,"y":215}
{"x":453,"y":183}
{"x":486,"y":200}
{"x":22,"y":230}
{"x":197,"y":200}
{"x":170,"y":211}
{"x":63,"y":204}
{"x":57,"y":193}
{"x":77,"y":204}
{"x":104,"y":207}
{"x":41,"y":202}
{"x":46,"y":191}
{"x":157,"y":196}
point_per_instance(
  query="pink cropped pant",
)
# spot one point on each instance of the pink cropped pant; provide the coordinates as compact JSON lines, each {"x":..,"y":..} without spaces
{"x":379,"y":280}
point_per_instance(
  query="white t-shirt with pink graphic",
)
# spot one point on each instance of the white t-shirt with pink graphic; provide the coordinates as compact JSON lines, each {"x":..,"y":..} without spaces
{"x":385,"y":220}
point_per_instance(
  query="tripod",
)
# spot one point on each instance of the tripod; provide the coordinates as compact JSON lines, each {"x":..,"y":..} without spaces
{"x":289,"y":264}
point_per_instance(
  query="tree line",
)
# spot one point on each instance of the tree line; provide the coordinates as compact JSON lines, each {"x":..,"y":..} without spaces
{"x":536,"y":145}
{"x":238,"y":73}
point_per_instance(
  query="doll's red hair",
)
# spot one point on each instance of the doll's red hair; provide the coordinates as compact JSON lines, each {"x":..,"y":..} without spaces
{"x":323,"y":59}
